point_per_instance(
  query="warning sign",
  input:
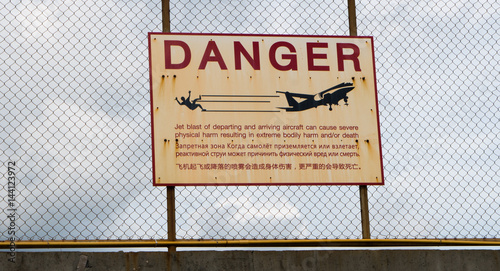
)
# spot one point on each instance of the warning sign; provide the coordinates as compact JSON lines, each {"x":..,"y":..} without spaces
{"x":263,"y":110}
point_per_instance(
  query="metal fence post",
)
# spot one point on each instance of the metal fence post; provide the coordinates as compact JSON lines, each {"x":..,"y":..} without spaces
{"x":365,"y":216}
{"x":165,"y":11}
{"x":363,"y":189}
{"x":353,"y":28}
{"x":165,"y":15}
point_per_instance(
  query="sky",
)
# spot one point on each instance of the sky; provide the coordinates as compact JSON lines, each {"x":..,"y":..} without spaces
{"x":74,"y":116}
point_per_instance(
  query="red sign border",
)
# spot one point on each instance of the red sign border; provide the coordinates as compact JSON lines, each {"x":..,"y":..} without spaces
{"x":260,"y":184}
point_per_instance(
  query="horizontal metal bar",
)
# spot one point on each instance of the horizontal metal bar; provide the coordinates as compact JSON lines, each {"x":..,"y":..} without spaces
{"x":250,"y":243}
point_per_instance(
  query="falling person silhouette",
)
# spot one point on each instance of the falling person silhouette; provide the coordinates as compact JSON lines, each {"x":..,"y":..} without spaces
{"x":191,"y":105}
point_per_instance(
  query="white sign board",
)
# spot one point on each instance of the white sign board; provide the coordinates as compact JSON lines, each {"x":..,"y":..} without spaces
{"x":264,"y":110}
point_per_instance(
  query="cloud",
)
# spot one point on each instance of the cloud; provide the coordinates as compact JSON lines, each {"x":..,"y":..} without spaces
{"x":77,"y":121}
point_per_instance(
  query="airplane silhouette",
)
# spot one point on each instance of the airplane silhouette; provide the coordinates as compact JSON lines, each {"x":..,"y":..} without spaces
{"x":325,"y":98}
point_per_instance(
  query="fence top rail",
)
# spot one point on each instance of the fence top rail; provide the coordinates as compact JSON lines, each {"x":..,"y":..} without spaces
{"x":253,"y":243}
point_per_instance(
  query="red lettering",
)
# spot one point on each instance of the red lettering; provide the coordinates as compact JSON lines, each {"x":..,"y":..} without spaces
{"x":353,"y":57}
{"x":282,"y":56}
{"x":292,"y":65}
{"x":168,"y":54}
{"x":207,"y":56}
{"x":311,"y":56}
{"x":240,"y":50}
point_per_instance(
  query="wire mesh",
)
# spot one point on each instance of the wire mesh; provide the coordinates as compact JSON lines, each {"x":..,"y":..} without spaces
{"x":74,"y":117}
{"x":438,"y":78}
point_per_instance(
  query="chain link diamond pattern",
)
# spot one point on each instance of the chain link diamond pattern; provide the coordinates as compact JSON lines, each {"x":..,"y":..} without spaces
{"x":74,"y":116}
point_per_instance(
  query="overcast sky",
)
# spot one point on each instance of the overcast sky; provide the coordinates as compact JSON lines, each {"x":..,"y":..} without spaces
{"x":74,"y":115}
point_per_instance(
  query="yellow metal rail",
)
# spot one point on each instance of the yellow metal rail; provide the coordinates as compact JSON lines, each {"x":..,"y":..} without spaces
{"x":248,"y":243}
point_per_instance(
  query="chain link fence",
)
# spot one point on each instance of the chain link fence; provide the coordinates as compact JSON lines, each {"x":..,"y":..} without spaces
{"x":74,"y":118}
